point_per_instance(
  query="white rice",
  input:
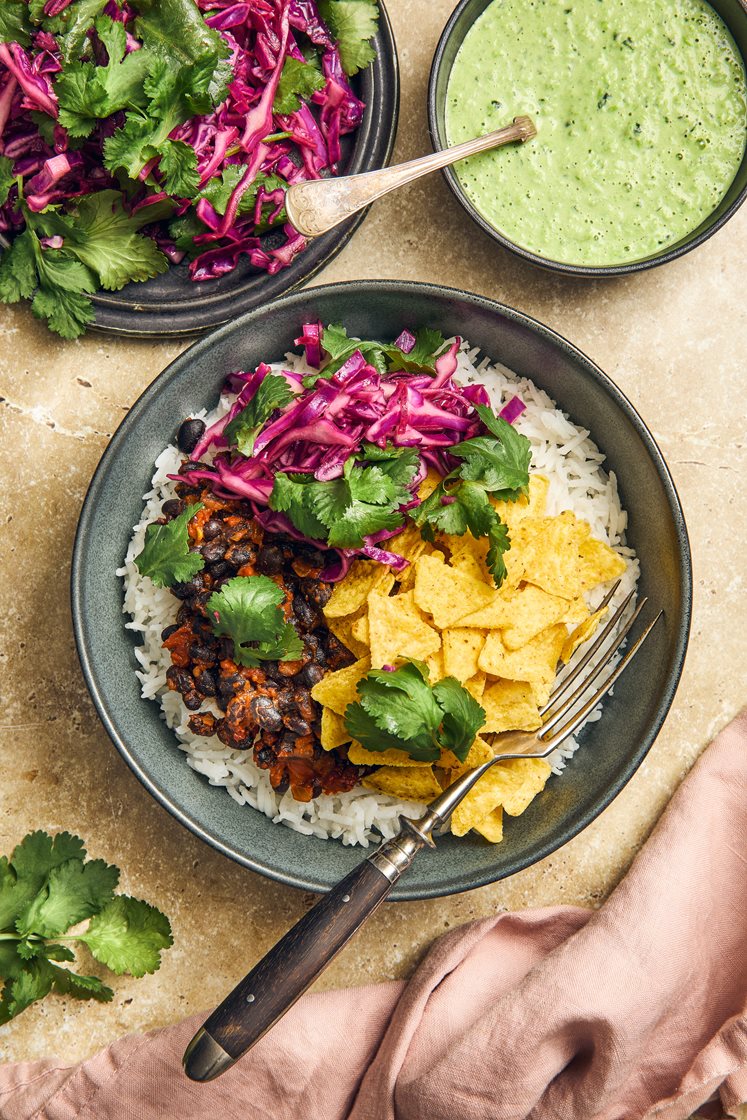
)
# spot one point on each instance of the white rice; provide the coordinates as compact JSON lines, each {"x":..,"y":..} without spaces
{"x":561,"y":451}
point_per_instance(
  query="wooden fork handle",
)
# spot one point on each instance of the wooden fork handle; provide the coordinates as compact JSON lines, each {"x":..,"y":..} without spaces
{"x":274,"y":985}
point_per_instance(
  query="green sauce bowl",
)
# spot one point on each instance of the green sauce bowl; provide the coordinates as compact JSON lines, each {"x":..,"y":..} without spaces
{"x":733,"y":13}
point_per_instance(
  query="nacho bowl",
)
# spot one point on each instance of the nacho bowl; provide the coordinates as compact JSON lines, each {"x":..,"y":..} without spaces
{"x":611,"y":749}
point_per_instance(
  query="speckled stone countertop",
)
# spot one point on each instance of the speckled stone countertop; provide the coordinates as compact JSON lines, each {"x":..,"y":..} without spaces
{"x":674,"y":339}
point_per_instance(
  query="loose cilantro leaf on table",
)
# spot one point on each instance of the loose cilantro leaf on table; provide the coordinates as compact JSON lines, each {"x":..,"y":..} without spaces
{"x":496,"y":468}
{"x":297,"y":80}
{"x":247,"y":610}
{"x":48,"y":886}
{"x":166,"y":556}
{"x":353,"y":23}
{"x":400,"y":709}
{"x":273,"y":392}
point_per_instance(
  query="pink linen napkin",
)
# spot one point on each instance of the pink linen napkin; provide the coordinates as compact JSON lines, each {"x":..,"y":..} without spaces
{"x":638,"y":1010}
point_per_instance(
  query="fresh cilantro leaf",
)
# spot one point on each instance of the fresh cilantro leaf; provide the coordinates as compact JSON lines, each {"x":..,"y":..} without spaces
{"x":68,"y":983}
{"x":272,"y":392}
{"x":72,"y":26}
{"x":183,"y":231}
{"x":45,"y":125}
{"x":339,"y":347}
{"x":166,"y":555}
{"x":298,"y":80}
{"x":401,"y":709}
{"x":247,"y":610}
{"x":500,"y":542}
{"x":359,"y":521}
{"x":353,"y":23}
{"x":128,"y":936}
{"x":499,"y":464}
{"x":179,"y":167}
{"x":47,"y":886}
{"x":67,"y":313}
{"x":18,"y":269}
{"x":422,"y":357}
{"x":88,"y":93}
{"x":292,"y":495}
{"x":105,"y":238}
{"x":36,"y":10}
{"x":7,"y":179}
{"x":462,"y":716}
{"x":400,"y":464}
{"x":73,"y":891}
{"x":14,"y":23}
{"x":175,"y":31}
{"x":33,"y":983}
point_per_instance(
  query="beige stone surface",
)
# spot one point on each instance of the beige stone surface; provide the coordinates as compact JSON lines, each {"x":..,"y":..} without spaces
{"x":674,"y":339}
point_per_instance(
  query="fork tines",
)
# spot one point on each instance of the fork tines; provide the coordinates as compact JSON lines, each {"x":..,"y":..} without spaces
{"x":571,"y":701}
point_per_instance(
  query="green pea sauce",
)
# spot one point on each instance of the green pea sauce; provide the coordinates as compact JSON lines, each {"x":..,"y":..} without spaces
{"x":641,"y":112}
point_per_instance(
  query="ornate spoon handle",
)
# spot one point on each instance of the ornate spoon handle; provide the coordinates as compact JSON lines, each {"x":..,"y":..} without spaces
{"x":316,"y":206}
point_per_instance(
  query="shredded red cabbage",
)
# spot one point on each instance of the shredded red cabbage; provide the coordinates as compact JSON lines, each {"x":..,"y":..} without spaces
{"x":330,"y":421}
{"x":242,"y":131}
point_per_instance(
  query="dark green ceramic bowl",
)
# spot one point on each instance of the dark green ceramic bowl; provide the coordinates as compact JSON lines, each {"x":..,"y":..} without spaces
{"x":612,"y":748}
{"x":734,"y":15}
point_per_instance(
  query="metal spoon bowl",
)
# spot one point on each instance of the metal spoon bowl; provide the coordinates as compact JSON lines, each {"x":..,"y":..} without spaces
{"x":321,"y":204}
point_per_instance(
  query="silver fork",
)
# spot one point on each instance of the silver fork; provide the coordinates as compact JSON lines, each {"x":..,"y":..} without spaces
{"x":284,"y":974}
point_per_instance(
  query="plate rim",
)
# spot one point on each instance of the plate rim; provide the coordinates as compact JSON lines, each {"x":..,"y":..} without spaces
{"x":401,"y":891}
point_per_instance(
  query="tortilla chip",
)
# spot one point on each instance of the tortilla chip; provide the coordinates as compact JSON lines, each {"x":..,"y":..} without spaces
{"x":550,"y":548}
{"x":536,"y":661}
{"x":531,"y":610}
{"x":532,"y":504}
{"x":598,"y":563}
{"x":344,"y":629}
{"x":359,"y":756}
{"x":461,"y":651}
{"x":416,"y":783}
{"x":397,"y":629}
{"x":494,"y":615}
{"x":446,"y":593}
{"x":359,"y":631}
{"x":429,"y":484}
{"x":476,"y":685}
{"x":581,"y":634}
{"x":491,"y":827}
{"x":339,"y":689}
{"x":352,"y":591}
{"x":409,"y":544}
{"x":510,"y":706}
{"x":541,"y":692}
{"x":435,"y":665}
{"x":512,"y":785}
{"x":334,"y":732}
{"x":577,"y":611}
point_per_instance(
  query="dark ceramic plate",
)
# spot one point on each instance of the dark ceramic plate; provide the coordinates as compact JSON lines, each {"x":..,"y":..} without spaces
{"x":612,"y":748}
{"x":734,"y":15}
{"x":172,"y":306}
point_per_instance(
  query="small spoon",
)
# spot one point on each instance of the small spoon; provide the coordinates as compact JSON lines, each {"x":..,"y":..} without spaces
{"x":318,"y":205}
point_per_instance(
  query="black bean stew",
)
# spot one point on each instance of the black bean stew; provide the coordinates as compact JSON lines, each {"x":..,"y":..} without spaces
{"x":269,"y":709}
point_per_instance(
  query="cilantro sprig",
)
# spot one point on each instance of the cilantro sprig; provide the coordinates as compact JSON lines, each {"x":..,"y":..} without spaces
{"x":353,"y":23}
{"x":247,"y":610}
{"x":400,"y":709}
{"x":383,"y":356}
{"x":166,"y":556}
{"x":365,"y":499}
{"x":47,"y":887}
{"x":496,"y":467}
{"x":272,"y":392}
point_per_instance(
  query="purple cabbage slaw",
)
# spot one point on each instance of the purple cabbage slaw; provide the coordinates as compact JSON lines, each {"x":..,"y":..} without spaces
{"x":261,"y":34}
{"x":326,"y":424}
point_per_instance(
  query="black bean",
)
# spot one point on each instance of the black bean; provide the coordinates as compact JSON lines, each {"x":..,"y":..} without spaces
{"x":270,"y":560}
{"x":265,"y":713}
{"x":219,"y":569}
{"x":189,"y":587}
{"x":304,"y":613}
{"x":168,"y":632}
{"x":173,"y":507}
{"x":180,"y":679}
{"x":212,"y":528}
{"x":282,"y":785}
{"x":310,"y":675}
{"x":206,"y":682}
{"x":192,"y":701}
{"x":297,"y":724}
{"x":240,"y":554}
{"x":187,"y":468}
{"x":189,"y":435}
{"x":198,"y":652}
{"x":285,"y":702}
{"x":213,"y":551}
